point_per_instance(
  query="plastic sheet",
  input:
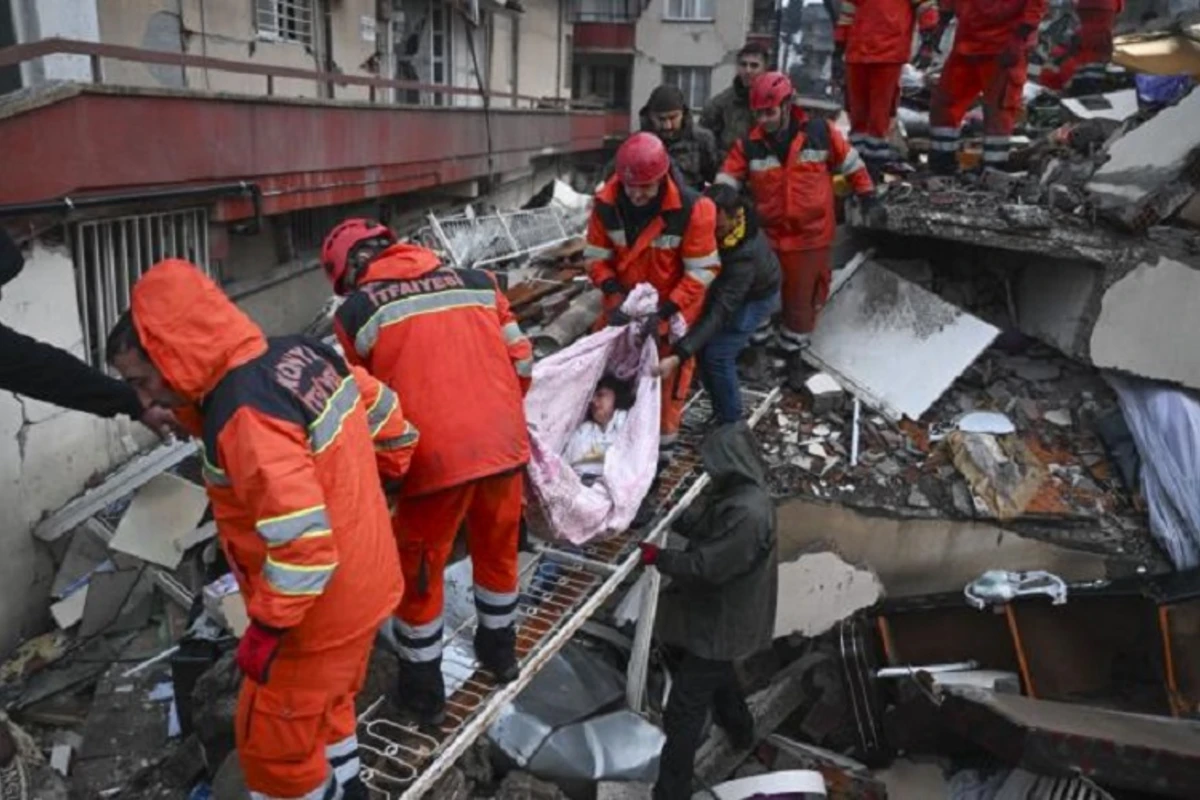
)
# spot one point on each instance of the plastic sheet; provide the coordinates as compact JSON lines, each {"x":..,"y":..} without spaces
{"x":565,"y":509}
{"x":1165,"y":423}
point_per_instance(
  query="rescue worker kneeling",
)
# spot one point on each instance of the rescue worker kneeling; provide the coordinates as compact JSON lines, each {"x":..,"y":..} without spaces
{"x":720,"y":606}
{"x":786,"y":163}
{"x":647,"y":227}
{"x":290,"y":467}
{"x":445,"y":341}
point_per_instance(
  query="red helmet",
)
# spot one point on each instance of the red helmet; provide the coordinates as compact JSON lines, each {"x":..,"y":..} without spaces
{"x":770,"y":90}
{"x":642,"y":159}
{"x":335,"y":253}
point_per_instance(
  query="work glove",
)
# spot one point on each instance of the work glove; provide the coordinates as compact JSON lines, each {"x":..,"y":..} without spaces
{"x":257,"y":650}
{"x":667,"y":310}
{"x":649,"y":553}
{"x":612,"y":286}
{"x":678,"y":327}
{"x":617,"y":317}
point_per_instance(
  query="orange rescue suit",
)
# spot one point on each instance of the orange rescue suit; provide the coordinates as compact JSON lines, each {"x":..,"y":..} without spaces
{"x":676,"y":253}
{"x":293,"y":442}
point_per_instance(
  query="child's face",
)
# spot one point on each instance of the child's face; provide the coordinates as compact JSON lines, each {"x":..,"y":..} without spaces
{"x":604,"y":403}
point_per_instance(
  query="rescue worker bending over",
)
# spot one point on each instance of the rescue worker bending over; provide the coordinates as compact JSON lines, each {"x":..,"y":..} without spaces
{"x":693,"y":149}
{"x":720,"y":606}
{"x":875,"y":37}
{"x":786,"y":164}
{"x":445,"y":341}
{"x":290,"y":467}
{"x":990,"y":56}
{"x":728,"y":115}
{"x":1084,"y":65}
{"x":648,"y":228}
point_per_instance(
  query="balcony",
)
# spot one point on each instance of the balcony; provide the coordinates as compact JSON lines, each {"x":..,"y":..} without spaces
{"x":605,"y":37}
{"x":307,"y":152}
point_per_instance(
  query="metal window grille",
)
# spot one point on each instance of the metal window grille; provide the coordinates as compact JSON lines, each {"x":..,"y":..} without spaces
{"x":606,"y":10}
{"x":481,"y":241}
{"x":111,"y":254}
{"x":694,"y":82}
{"x":690,"y":9}
{"x":285,"y":20}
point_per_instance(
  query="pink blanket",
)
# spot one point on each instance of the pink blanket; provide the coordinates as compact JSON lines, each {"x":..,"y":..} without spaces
{"x":561,"y":506}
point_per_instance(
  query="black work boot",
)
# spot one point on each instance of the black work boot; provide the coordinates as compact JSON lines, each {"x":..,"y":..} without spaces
{"x":496,"y":649}
{"x":797,"y":372}
{"x":754,"y":364}
{"x":355,"y":789}
{"x":943,"y":162}
{"x":422,"y":692}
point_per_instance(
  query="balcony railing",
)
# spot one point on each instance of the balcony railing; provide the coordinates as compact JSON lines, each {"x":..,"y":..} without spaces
{"x":617,"y":12}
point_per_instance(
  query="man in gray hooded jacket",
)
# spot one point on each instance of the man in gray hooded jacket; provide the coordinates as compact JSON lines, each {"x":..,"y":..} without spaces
{"x":720,"y":606}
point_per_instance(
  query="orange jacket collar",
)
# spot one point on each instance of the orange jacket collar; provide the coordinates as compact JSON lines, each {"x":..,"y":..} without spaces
{"x":401,"y":262}
{"x":192,"y":332}
{"x":799,"y":115}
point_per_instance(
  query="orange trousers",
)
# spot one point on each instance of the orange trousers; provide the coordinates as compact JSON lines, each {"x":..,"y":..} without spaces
{"x":806,"y":278}
{"x":426,"y":527}
{"x":872,"y":96}
{"x":296,"y":733}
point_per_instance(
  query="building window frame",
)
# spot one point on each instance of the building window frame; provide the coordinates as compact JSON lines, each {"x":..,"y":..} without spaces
{"x":286,"y":21}
{"x":694,"y":82}
{"x":690,"y":10}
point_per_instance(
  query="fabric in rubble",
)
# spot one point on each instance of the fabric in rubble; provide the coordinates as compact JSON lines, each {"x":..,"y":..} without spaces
{"x":1165,"y":423}
{"x":556,"y":405}
{"x":1001,"y":470}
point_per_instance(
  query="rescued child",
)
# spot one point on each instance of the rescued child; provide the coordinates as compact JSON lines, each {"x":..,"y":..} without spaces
{"x":607,"y":412}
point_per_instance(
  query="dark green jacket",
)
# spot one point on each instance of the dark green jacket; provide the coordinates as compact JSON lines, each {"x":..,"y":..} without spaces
{"x":693,"y":152}
{"x":728,"y":116}
{"x":721,"y":603}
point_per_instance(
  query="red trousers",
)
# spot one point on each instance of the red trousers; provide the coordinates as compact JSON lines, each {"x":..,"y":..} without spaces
{"x":964,"y":78}
{"x":872,"y":96}
{"x":426,"y":527}
{"x":296,"y":733}
{"x":1090,"y":60}
{"x":806,"y":277}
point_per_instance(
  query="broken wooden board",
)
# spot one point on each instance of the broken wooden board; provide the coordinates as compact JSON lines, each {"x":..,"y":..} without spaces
{"x":1141,"y":752}
{"x":896,"y":346}
{"x":163,"y":514}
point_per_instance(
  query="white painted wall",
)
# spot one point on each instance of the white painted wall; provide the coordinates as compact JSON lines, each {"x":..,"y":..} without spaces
{"x":663,"y":43}
{"x":46,"y":453}
{"x":41,"y":19}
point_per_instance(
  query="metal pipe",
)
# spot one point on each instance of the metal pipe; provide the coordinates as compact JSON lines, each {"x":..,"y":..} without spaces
{"x":932,"y":669}
{"x":854,"y":433}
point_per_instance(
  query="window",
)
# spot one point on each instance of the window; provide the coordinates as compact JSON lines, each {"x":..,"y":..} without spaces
{"x":111,"y":254}
{"x":608,"y":84}
{"x":694,"y":82}
{"x":285,"y":20}
{"x":690,"y":9}
{"x":605,"y":10}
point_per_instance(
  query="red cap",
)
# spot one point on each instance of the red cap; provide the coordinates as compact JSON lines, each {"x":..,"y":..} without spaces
{"x":335,"y":253}
{"x":642,"y":159}
{"x":770,"y":90}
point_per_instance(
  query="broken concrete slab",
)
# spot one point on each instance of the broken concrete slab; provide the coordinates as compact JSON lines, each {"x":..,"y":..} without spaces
{"x":164,"y":512}
{"x":86,"y":553}
{"x":1139,"y":752}
{"x":619,"y":790}
{"x":69,"y":611}
{"x":1151,"y":170}
{"x":923,"y":557}
{"x":824,"y":394}
{"x":818,"y":590}
{"x":1001,"y":471}
{"x":117,"y":601}
{"x":892,"y":343}
{"x":1145,"y":322}
{"x":912,"y":780}
{"x":791,"y":783}
{"x":1116,"y":106}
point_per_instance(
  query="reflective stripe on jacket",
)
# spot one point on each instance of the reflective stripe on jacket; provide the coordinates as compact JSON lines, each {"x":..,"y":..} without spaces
{"x":795,"y":199}
{"x":881,"y":31}
{"x":289,"y":459}
{"x":447,"y":342}
{"x":676,"y":252}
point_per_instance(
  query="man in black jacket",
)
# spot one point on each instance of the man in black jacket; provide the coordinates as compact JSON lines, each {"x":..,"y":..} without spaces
{"x":740,"y":301}
{"x":720,"y":606}
{"x":693,"y":149}
{"x":44,"y":372}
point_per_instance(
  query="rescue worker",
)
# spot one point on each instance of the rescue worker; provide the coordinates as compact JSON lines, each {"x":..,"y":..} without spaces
{"x":720,"y":606}
{"x":44,"y":372}
{"x":647,"y":227}
{"x":990,"y":56}
{"x":290,"y":439}
{"x":875,"y":39}
{"x":786,"y":163}
{"x":445,"y":341}
{"x":741,"y":299}
{"x":693,"y":149}
{"x":1083,"y":65}
{"x":728,"y":115}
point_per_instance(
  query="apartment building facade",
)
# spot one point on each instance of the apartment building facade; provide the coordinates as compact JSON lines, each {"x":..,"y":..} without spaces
{"x":625,"y":48}
{"x":235,"y":133}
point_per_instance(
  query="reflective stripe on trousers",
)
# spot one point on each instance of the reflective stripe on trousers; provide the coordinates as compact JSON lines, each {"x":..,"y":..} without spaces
{"x":331,"y":790}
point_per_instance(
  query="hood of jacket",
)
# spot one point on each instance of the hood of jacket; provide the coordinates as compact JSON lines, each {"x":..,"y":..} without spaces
{"x":685,"y":130}
{"x":193,"y":333}
{"x":731,"y":456}
{"x":401,"y":262}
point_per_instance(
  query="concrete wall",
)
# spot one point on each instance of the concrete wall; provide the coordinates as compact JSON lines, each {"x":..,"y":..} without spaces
{"x":46,"y":453}
{"x":663,"y":43}
{"x":226,"y":29}
{"x":41,"y":19}
{"x":543,"y":68}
